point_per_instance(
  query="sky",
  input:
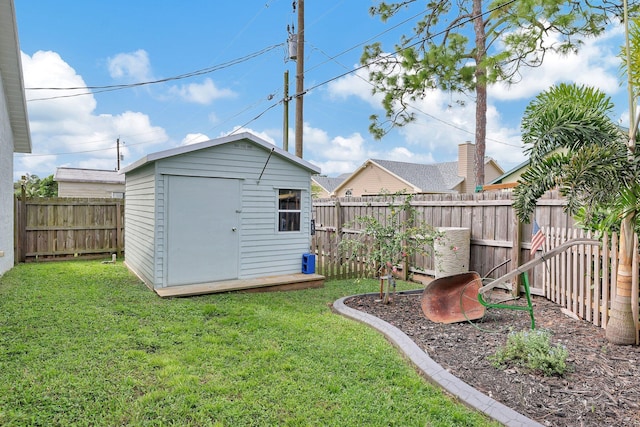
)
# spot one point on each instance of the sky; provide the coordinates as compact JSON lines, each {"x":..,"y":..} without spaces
{"x":219,"y":68}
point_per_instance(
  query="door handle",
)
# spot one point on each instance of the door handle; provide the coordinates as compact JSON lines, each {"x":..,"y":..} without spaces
{"x":233,"y":229}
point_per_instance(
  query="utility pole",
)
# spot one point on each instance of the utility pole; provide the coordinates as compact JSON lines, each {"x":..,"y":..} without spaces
{"x":285,"y":126}
{"x":300,"y":79}
{"x":118,"y":152}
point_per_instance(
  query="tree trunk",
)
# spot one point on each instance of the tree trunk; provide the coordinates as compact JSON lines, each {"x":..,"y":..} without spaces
{"x":481,"y":91}
{"x":621,"y":327}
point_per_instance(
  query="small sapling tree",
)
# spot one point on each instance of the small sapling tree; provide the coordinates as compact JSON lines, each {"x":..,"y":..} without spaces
{"x":387,"y":242}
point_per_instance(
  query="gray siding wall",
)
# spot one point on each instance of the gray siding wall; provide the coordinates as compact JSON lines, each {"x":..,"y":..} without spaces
{"x":6,"y":186}
{"x":88,"y":189}
{"x":161,"y":246}
{"x":263,"y":250}
{"x":139,"y":223}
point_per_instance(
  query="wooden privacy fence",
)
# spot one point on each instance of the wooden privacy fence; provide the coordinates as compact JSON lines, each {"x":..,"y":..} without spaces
{"x":59,"y":228}
{"x":582,"y":279}
{"x":496,"y":234}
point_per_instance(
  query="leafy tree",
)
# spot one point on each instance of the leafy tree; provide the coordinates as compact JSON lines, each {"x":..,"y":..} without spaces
{"x":466,"y":45}
{"x":575,"y":146}
{"x":316,"y":190}
{"x":48,"y":187}
{"x":36,"y":187}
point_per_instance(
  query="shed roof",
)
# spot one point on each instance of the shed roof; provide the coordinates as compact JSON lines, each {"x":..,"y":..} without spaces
{"x":11,"y":71}
{"x":245,"y":136}
{"x":88,"y":175}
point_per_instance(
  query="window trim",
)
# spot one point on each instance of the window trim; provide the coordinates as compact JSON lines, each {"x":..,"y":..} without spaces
{"x":278,"y":191}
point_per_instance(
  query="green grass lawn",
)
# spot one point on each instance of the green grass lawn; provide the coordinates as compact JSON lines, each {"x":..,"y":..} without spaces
{"x":85,"y":343}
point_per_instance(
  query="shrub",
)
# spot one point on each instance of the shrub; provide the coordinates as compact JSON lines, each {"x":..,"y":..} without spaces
{"x":532,"y":350}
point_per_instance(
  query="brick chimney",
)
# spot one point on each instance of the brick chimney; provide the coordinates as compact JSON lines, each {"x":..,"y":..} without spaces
{"x":466,"y":169}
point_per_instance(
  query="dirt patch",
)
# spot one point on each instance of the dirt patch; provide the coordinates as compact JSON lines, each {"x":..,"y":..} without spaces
{"x":601,"y":389}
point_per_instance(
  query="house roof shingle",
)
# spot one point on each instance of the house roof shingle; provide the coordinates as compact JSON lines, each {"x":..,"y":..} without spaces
{"x":88,"y":175}
{"x":330,"y":183}
{"x":437,"y":177}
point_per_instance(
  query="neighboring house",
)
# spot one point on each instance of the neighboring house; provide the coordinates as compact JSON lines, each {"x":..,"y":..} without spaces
{"x":223,"y":214}
{"x":379,"y":176}
{"x":510,"y":178}
{"x":74,"y":182}
{"x":14,"y":126}
{"x":327,"y":184}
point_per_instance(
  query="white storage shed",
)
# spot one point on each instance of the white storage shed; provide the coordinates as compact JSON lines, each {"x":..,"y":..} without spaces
{"x":225,"y":214}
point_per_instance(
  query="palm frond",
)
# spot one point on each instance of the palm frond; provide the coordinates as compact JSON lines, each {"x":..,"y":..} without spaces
{"x":541,"y":177}
{"x":568,"y":117}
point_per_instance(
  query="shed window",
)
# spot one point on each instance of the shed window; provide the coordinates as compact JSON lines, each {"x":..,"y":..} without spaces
{"x":289,"y":210}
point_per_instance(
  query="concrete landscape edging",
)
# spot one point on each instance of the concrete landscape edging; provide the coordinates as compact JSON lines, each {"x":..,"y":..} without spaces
{"x":436,"y":373}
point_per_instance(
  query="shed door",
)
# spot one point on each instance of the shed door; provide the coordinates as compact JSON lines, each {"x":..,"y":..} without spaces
{"x":202,"y":229}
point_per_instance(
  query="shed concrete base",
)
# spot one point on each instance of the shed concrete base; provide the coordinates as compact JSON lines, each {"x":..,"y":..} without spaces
{"x":286,"y":282}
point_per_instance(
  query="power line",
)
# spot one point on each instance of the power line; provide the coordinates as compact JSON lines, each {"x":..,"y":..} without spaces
{"x":79,"y":152}
{"x":460,"y":24}
{"x":397,"y":51}
{"x":416,"y":108}
{"x":257,"y":117}
{"x":269,"y":97}
{"x":108,"y":88}
{"x":333,"y":58}
{"x":233,"y":62}
{"x":350,"y":71}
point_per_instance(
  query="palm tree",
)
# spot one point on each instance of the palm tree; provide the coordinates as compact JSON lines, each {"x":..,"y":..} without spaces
{"x":575,"y":146}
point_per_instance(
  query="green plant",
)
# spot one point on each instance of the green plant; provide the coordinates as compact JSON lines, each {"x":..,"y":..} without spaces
{"x":532,"y":350}
{"x":391,"y":240}
{"x":34,"y":186}
{"x":574,"y":146}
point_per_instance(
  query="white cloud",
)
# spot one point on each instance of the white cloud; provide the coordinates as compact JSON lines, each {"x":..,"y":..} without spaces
{"x":132,"y":66}
{"x":355,"y":84}
{"x":68,"y":131}
{"x":194,"y":138}
{"x":35,"y":165}
{"x":333,"y":155}
{"x":344,"y":154}
{"x":444,"y":120}
{"x":402,"y":154}
{"x":596,"y":64}
{"x":45,"y":69}
{"x":202,"y":93}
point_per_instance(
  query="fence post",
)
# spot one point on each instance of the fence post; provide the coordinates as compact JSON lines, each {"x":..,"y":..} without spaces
{"x":338,"y":209}
{"x":119,"y":241}
{"x":516,"y":238}
{"x":16,"y":230}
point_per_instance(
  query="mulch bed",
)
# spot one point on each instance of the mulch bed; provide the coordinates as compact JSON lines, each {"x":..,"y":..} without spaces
{"x":601,"y":389}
